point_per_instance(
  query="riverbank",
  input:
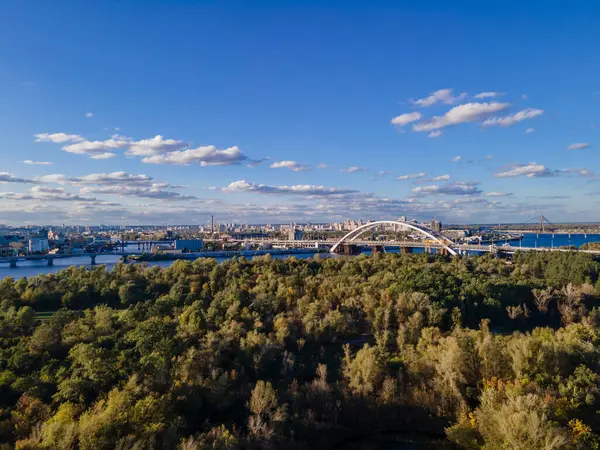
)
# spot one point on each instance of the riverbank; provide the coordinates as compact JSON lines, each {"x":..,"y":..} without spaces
{"x":226,"y":254}
{"x":33,"y":268}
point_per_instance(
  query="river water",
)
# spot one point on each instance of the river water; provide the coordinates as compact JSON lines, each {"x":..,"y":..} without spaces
{"x":32,"y":268}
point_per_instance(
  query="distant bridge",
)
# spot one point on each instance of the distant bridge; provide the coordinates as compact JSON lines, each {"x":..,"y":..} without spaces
{"x":457,"y":248}
{"x":433,"y":240}
{"x":435,"y":236}
{"x":13,"y":260}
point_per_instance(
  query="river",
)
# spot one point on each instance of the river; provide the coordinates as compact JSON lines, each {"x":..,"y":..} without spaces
{"x":32,"y":268}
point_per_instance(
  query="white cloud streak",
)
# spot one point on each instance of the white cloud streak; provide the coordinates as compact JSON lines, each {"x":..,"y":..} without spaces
{"x":101,"y":179}
{"x":291,"y":165}
{"x":353,"y":169}
{"x":469,"y":112}
{"x":205,"y":156}
{"x":298,"y":189}
{"x":405,"y":119}
{"x":513,"y":119}
{"x":530,"y":170}
{"x":456,"y":188}
{"x":156,"y":150}
{"x":105,"y":155}
{"x":153,"y":192}
{"x":37,"y":163}
{"x":58,"y":138}
{"x":85,"y":147}
{"x":439,"y":96}
{"x":579,"y":146}
{"x":489,"y":94}
{"x":154,"y":146}
{"x":411,"y":176}
{"x":7,"y":177}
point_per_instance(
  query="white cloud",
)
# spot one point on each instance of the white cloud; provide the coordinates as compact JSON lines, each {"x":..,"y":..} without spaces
{"x":154,"y":146}
{"x":469,"y":112}
{"x":435,"y":134}
{"x":58,"y":194}
{"x":439,"y":96}
{"x":383,"y":173}
{"x":584,"y":172}
{"x":298,"y":189}
{"x":322,"y":166}
{"x":291,"y":165}
{"x":405,"y":119}
{"x":86,"y":147}
{"x":412,"y":176}
{"x":456,"y":159}
{"x":579,"y":146}
{"x":497,"y":194}
{"x":153,"y":192}
{"x":110,"y":179}
{"x":105,"y":155}
{"x":57,"y":138}
{"x":489,"y":94}
{"x":206,"y":156}
{"x":156,"y":150}
{"x":531,"y":170}
{"x":47,"y":194}
{"x":512,"y":119}
{"x":37,"y":163}
{"x":6,"y":177}
{"x":530,"y":130}
{"x":89,"y":114}
{"x":456,"y":188}
{"x":353,"y":169}
{"x":16,"y":196}
{"x":441,"y":178}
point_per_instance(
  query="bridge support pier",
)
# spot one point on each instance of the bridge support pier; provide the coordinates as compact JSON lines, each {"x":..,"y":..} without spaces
{"x":50,"y":262}
{"x":13,"y":263}
{"x":377,"y":249}
{"x":348,"y":249}
{"x":406,"y":250}
{"x":92,"y":260}
{"x":125,"y":260}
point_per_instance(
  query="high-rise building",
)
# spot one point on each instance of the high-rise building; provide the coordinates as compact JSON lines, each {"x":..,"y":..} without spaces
{"x":436,"y":226}
{"x":295,"y":235}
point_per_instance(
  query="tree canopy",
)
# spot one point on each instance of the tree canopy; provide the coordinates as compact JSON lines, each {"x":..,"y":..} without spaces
{"x":484,"y":352}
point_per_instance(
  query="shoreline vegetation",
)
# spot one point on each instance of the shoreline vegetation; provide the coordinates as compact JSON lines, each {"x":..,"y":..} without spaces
{"x":482,"y":352}
{"x":191,"y":256}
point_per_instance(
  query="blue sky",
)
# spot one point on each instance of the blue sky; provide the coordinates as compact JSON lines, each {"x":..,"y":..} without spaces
{"x":393,"y":89}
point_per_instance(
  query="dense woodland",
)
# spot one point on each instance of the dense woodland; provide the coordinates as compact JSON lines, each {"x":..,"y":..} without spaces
{"x":298,"y":354}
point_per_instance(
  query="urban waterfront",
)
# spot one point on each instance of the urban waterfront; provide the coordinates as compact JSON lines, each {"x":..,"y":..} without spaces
{"x":33,"y":268}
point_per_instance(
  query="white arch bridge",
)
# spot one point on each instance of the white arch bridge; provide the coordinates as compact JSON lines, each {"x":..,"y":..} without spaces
{"x":436,"y":237}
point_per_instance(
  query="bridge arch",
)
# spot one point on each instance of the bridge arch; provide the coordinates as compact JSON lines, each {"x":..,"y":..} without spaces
{"x":437,"y":237}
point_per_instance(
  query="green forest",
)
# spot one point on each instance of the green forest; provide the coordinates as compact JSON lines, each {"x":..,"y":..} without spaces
{"x":481,"y":352}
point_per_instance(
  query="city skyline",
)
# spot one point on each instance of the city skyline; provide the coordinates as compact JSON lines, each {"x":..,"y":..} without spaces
{"x":297,"y":113}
